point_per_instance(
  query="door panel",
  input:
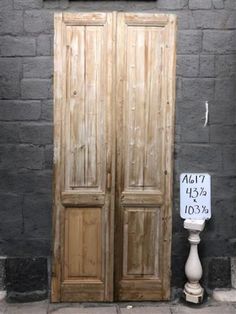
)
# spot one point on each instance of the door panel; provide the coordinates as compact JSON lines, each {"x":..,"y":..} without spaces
{"x":85,"y":98}
{"x":113,"y":136}
{"x":83,"y":81}
{"x":143,"y":190}
{"x":140,"y":237}
{"x":83,"y":251}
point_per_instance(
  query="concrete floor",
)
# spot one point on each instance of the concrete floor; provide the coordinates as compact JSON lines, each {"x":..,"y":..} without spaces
{"x":44,"y":307}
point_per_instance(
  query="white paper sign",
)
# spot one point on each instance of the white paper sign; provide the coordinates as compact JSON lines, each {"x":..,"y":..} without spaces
{"x":195,"y":196}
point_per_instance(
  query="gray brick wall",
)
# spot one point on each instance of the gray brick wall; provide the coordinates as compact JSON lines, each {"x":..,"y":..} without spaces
{"x":206,"y":70}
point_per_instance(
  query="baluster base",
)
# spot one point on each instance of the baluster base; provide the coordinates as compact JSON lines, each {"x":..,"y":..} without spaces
{"x":193,"y":294}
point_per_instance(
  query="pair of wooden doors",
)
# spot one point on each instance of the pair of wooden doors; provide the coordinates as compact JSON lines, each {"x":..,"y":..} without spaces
{"x":114,"y":93}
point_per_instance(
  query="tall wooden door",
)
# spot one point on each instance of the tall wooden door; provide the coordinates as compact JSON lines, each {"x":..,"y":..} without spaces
{"x":114,"y":83}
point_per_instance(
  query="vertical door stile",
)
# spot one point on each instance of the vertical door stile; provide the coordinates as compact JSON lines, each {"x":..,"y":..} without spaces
{"x":118,"y":238}
{"x":58,"y":174}
{"x":169,"y":135}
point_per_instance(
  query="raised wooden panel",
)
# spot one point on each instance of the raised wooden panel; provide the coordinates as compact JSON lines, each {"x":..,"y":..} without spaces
{"x":141,"y":242}
{"x":86,"y":88}
{"x":143,"y":117}
{"x":84,"y":157}
{"x":83,"y":244}
{"x":145,"y":121}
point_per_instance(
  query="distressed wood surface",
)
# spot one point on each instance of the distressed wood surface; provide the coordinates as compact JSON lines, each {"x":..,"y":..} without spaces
{"x":114,"y":95}
{"x":84,"y":233}
{"x":145,"y":111}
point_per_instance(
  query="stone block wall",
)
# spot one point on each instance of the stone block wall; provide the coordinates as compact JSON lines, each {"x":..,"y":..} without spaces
{"x":206,"y":70}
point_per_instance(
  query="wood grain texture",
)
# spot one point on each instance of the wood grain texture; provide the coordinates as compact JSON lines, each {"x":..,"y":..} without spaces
{"x":57,"y":174}
{"x":83,"y":237}
{"x":114,"y":95}
{"x":145,"y":113}
{"x":83,"y":214}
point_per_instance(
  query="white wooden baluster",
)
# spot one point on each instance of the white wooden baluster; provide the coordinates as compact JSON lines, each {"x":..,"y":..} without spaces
{"x":193,"y":292}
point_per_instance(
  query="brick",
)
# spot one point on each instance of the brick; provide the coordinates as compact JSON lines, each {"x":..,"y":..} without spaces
{"x":225,"y":65}
{"x":25,"y":181}
{"x":185,"y":20}
{"x":17,"y":46}
{"x":35,"y":88}
{"x":200,"y":158}
{"x":229,"y":157}
{"x":43,"y":182}
{"x":189,"y":42}
{"x":51,"y":4}
{"x":38,"y":21}
{"x":36,"y":133}
{"x":223,"y":111}
{"x":11,"y":22}
{"x":225,"y":89}
{"x":9,"y":132}
{"x":21,"y":156}
{"x":29,"y":4}
{"x":26,"y":274}
{"x":206,"y":19}
{"x":19,"y":110}
{"x":11,"y":214}
{"x":198,"y":89}
{"x":6,"y":5}
{"x":207,"y":66}
{"x":218,"y":4}
{"x":191,"y":120}
{"x":10,"y":69}
{"x":30,"y":247}
{"x":199,"y":4}
{"x":177,"y":277}
{"x":219,"y":41}
{"x":38,"y":67}
{"x":183,"y":247}
{"x":179,"y":88}
{"x":230,"y":4}
{"x":219,"y":273}
{"x":44,"y":43}
{"x":223,"y":134}
{"x":16,"y":182}
{"x":188,"y":65}
{"x":37,"y":215}
{"x":211,"y":247}
{"x":47,"y":110}
{"x":224,"y":212}
{"x":57,"y":4}
{"x":223,"y":187}
{"x":172,"y":5}
{"x":231,"y":21}
{"x":48,"y":156}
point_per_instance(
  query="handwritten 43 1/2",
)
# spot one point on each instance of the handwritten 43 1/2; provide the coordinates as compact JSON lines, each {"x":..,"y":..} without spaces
{"x":196,"y":192}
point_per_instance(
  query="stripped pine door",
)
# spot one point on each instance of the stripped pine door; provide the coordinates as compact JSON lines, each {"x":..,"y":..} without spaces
{"x":83,"y":204}
{"x":145,"y":104}
{"x":113,"y":135}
